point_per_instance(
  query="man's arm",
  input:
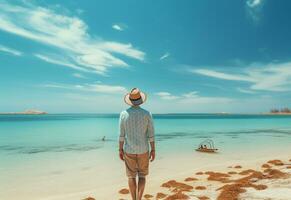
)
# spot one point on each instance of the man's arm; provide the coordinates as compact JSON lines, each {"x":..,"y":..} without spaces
{"x":121,"y":137}
{"x":151,"y":136}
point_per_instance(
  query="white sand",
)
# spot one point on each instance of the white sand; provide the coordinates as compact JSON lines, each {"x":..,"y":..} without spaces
{"x":103,"y":178}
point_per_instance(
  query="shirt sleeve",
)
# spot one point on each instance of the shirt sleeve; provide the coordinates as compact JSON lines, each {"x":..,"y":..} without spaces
{"x":121,"y":128}
{"x":150,"y":130}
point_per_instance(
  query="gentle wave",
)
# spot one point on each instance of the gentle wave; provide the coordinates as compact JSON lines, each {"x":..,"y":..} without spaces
{"x":46,"y":149}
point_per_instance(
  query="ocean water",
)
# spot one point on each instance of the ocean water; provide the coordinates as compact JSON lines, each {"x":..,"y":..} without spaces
{"x":37,"y":150}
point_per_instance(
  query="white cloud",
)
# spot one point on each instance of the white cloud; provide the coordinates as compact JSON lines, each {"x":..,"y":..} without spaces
{"x":10,"y":51}
{"x":58,"y":61}
{"x":253,"y":8}
{"x":246,"y":91}
{"x":192,"y":94}
{"x":118,"y":27}
{"x":125,"y":49}
{"x":98,"y":88}
{"x":191,"y":98}
{"x":271,"y":77}
{"x":254,"y":3}
{"x":166,"y":55}
{"x":220,"y":75}
{"x":68,"y":34}
{"x":166,"y":96}
{"x":78,"y":75}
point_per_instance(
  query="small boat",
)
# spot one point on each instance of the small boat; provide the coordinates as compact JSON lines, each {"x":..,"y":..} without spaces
{"x":207,"y":146}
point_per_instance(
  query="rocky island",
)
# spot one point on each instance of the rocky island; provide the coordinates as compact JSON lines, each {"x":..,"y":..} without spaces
{"x":27,"y":112}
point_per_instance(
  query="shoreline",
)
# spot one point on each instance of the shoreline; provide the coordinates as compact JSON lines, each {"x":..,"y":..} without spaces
{"x":154,"y":114}
{"x":105,"y":182}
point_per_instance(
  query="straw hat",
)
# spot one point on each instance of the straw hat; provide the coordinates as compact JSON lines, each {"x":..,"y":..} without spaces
{"x":135,"y":97}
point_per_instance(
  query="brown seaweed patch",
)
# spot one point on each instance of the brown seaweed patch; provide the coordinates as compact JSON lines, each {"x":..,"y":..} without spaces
{"x":217,"y":176}
{"x":246,"y":172}
{"x":266,"y":165}
{"x":203,"y":198}
{"x":124,"y":191}
{"x":238,"y":167}
{"x":260,"y":187}
{"x":232,"y":191}
{"x":199,"y":173}
{"x":178,"y":196}
{"x":89,"y":198}
{"x":267,"y":170}
{"x":148,"y":196}
{"x":200,"y":188}
{"x":160,"y":195}
{"x":177,"y":186}
{"x":190,"y":179}
{"x":276,"y":174}
{"x":276,"y":162}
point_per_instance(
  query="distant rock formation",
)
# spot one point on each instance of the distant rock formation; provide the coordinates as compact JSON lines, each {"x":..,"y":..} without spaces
{"x":27,"y":112}
{"x":281,"y":111}
{"x":34,"y":112}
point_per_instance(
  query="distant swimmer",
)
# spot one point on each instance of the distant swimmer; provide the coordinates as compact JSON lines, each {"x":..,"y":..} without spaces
{"x":103,"y":139}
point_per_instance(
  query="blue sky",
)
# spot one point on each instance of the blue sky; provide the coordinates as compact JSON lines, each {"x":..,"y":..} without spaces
{"x":188,"y":56}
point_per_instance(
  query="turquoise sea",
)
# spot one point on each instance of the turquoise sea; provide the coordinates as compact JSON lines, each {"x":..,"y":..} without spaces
{"x":33,"y":146}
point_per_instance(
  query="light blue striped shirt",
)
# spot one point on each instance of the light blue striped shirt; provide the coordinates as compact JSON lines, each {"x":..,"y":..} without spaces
{"x":136,"y":130}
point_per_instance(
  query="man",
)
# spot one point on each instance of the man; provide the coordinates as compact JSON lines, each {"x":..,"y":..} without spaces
{"x":136,"y":132}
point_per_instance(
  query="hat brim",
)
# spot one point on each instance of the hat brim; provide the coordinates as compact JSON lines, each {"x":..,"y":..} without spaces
{"x":129,"y":102}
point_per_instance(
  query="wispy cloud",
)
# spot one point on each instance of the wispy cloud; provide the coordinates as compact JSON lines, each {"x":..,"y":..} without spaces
{"x":253,"y":8}
{"x":10,"y":51}
{"x":246,"y":91}
{"x":78,"y":75}
{"x":192,"y":98}
{"x":68,"y":34}
{"x":220,"y":75}
{"x":119,"y":27}
{"x":166,"y":55}
{"x":166,"y":96}
{"x":96,"y":88}
{"x":54,"y":59}
{"x":271,"y":77}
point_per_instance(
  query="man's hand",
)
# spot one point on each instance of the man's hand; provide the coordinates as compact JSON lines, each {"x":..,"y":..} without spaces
{"x":121,"y":154}
{"x":152,"y":155}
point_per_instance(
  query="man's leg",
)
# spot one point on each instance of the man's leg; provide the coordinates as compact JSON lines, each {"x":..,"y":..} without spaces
{"x":141,"y":186}
{"x":132,"y":187}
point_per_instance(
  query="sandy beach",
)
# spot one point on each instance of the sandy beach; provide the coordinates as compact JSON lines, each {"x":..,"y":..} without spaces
{"x":221,"y":176}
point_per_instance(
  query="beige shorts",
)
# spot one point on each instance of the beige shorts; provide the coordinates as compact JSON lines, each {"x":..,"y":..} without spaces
{"x":136,"y":164}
